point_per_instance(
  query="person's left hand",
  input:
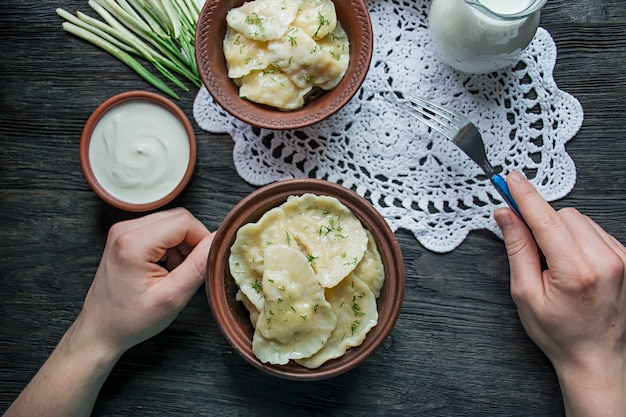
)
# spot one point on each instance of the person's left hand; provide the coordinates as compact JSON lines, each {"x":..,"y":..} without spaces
{"x":150,"y":269}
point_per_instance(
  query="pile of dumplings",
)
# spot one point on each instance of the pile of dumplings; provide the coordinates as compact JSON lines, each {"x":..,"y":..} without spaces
{"x":280,"y":51}
{"x":309,"y":274}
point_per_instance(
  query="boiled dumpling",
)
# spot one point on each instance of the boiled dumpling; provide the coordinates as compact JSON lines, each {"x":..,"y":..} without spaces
{"x":354,"y":304}
{"x":295,"y":54}
{"x":252,"y":310}
{"x":333,"y":238}
{"x":273,"y":88}
{"x":307,"y":62}
{"x":281,"y":264}
{"x":278,"y":51}
{"x":371,"y":270}
{"x":246,"y":254}
{"x":316,"y":17}
{"x":243,"y":55}
{"x":263,"y":20}
{"x":296,"y":320}
{"x":334,"y":59}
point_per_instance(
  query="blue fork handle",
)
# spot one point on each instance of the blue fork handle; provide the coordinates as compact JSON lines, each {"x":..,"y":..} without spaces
{"x":503,"y":189}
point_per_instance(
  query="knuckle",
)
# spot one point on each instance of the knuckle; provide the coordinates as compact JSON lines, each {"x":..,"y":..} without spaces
{"x":518,"y":294}
{"x":518,"y":245}
{"x":569,"y":212}
{"x":123,"y":244}
{"x":585,"y":280}
{"x":552,"y":219}
{"x":590,"y":275}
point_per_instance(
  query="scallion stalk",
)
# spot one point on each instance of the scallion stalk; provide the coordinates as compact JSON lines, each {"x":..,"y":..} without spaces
{"x":159,"y":31}
{"x":81,"y":22}
{"x":119,"y":54}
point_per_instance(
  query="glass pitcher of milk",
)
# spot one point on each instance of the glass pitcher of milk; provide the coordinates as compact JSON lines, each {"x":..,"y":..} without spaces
{"x":482,"y":36}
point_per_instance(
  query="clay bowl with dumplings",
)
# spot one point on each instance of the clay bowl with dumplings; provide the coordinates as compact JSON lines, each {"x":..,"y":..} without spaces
{"x":211,"y":30}
{"x":234,"y":319}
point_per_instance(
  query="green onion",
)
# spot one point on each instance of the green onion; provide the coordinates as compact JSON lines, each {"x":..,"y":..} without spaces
{"x":160,"y":31}
{"x":119,"y":54}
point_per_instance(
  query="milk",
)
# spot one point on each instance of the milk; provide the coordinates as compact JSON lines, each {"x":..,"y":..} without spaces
{"x":506,"y":6}
{"x":478,"y":41}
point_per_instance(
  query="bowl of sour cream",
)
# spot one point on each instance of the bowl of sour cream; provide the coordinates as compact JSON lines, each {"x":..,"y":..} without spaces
{"x":138,"y":151}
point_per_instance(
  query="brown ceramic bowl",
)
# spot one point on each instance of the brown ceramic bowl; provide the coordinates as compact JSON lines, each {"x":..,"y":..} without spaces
{"x":211,"y":28}
{"x":139,"y":199}
{"x":233,"y":319}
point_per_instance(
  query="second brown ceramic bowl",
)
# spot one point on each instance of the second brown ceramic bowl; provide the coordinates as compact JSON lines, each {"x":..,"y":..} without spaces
{"x":210,"y":32}
{"x":233,"y":318}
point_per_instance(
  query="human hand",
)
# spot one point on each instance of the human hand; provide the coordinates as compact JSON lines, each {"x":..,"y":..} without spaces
{"x":576,"y":309}
{"x":133,"y":297}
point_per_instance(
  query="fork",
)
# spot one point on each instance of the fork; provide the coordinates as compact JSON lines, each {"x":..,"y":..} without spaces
{"x":464,"y":134}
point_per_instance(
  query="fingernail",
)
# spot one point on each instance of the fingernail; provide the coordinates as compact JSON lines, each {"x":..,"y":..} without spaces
{"x":503,"y":219}
{"x":516,"y":176}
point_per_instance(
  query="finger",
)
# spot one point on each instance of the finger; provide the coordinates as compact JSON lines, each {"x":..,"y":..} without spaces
{"x":583,"y":231}
{"x":610,"y":240}
{"x":605,"y":254}
{"x":173,"y":257}
{"x":524,"y":258}
{"x":551,"y":234}
{"x":185,"y":248}
{"x":168,"y":233}
{"x":140,"y":222}
{"x":190,"y":274}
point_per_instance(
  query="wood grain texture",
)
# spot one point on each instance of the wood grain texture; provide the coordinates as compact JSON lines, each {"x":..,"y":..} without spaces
{"x":458,"y":347}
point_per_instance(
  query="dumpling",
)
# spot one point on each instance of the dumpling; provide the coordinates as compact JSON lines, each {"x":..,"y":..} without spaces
{"x":307,"y":62}
{"x":273,"y":88}
{"x":243,"y":55}
{"x":295,"y":54}
{"x":317,"y":18}
{"x":334,"y":58}
{"x":371,"y":270}
{"x":252,"y":310}
{"x":332,"y":236}
{"x":354,"y":305}
{"x":281,"y":264}
{"x":296,"y":320}
{"x":247,"y":253}
{"x":278,"y":51}
{"x":263,"y":20}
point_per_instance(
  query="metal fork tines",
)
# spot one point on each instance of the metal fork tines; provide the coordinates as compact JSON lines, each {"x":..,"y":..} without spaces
{"x":454,"y":126}
{"x":464,"y":134}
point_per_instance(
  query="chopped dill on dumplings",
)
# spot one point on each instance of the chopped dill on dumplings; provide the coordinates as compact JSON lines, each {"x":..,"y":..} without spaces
{"x":309,"y":275}
{"x":280,"y":52}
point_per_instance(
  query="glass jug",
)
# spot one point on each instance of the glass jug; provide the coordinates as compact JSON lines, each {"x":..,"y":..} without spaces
{"x":482,"y":36}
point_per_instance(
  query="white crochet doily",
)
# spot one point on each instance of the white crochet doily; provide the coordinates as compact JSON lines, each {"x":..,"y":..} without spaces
{"x":415,"y":178}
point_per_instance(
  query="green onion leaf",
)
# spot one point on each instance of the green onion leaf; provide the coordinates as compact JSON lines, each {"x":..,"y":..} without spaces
{"x":121,"y":55}
{"x":160,"y":31}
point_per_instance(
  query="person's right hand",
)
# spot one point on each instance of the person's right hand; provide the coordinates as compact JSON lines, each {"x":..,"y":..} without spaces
{"x":576,"y":309}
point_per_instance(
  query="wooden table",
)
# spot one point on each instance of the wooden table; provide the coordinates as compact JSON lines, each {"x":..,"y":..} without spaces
{"x":458,"y":347}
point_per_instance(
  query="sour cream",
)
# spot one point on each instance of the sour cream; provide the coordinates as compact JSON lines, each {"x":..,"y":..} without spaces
{"x":139,"y":151}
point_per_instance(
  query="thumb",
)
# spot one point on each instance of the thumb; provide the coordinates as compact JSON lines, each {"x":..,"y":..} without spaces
{"x":524,"y":257}
{"x":187,"y":277}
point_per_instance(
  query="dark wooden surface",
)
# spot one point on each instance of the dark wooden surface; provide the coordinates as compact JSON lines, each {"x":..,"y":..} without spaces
{"x":458,"y":347}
